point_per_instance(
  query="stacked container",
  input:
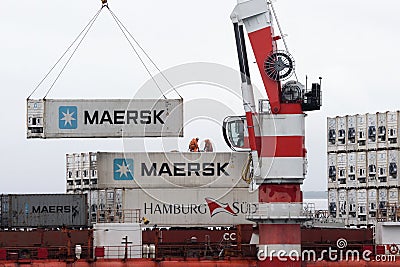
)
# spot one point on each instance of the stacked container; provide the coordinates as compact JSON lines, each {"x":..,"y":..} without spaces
{"x":363,"y":157}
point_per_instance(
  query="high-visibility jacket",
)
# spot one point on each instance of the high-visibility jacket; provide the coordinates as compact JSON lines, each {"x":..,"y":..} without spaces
{"x":193,"y":145}
{"x":208,"y":147}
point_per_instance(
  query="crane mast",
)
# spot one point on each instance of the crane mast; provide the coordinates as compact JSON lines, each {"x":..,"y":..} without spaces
{"x":276,"y":137}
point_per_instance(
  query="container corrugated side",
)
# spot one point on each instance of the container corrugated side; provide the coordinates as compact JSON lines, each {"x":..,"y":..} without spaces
{"x":341,"y":123}
{"x":361,"y":175}
{"x":351,"y":170}
{"x":392,"y":128}
{"x":108,"y":118}
{"x":332,"y":171}
{"x":47,"y":210}
{"x":332,"y":134}
{"x":382,"y":164}
{"x":351,"y":132}
{"x":361,"y":131}
{"x":381,"y":130}
{"x":372,"y":169}
{"x":371,"y":131}
{"x":393,"y":161}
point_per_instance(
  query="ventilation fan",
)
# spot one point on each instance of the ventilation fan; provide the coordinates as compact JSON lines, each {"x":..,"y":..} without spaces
{"x":279,"y":65}
{"x":292,"y":92}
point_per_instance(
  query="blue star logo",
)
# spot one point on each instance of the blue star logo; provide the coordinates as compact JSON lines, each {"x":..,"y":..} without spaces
{"x":68,"y":117}
{"x":123,"y":169}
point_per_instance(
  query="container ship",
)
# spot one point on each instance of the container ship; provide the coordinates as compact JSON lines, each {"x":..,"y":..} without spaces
{"x":207,"y":208}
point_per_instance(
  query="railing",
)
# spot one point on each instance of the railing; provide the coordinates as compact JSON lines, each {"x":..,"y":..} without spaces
{"x":277,"y":211}
{"x":117,"y":216}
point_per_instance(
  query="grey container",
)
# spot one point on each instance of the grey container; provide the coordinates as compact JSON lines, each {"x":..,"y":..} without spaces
{"x":44,"y":210}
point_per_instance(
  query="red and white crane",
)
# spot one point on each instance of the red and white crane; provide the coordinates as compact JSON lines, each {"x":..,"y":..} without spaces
{"x":276,"y":136}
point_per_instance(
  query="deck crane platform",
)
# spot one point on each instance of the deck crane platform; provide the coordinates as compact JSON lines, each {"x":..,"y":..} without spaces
{"x":275,"y":136}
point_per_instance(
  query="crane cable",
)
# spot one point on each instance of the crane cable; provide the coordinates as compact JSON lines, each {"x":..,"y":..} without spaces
{"x":125,"y":31}
{"x":86,"y":28}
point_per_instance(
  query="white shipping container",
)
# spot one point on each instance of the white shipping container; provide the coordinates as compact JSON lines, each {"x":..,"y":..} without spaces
{"x":332,"y":135}
{"x":351,"y":133}
{"x":362,"y":195}
{"x":382,"y":164}
{"x":168,"y":170}
{"x":393,"y":195}
{"x":361,"y":169}
{"x":393,"y":161}
{"x":372,"y":169}
{"x":333,"y":202}
{"x":392,"y":128}
{"x":341,"y":123}
{"x":352,"y":201}
{"x":372,"y":202}
{"x":62,"y":118}
{"x":371,"y":131}
{"x":189,"y":206}
{"x":351,"y":170}
{"x":332,"y":172}
{"x":342,"y":203}
{"x":382,"y":130}
{"x":361,"y":131}
{"x":342,"y":169}
{"x":382,"y":198}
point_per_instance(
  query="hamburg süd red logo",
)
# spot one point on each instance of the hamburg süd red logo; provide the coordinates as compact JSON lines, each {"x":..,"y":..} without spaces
{"x":216,"y":207}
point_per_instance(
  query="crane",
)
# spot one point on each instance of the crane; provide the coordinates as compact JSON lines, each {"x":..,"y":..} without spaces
{"x":275,"y":135}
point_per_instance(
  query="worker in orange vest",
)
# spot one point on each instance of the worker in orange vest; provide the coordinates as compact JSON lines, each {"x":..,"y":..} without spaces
{"x":208,"y":147}
{"x":194,"y":145}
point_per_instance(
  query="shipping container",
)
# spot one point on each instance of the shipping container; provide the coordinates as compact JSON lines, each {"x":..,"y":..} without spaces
{"x":371,"y":131}
{"x":382,"y":198}
{"x":362,"y":206}
{"x":332,"y":135}
{"x":178,"y":207}
{"x":332,"y":170}
{"x":113,"y":118}
{"x":351,"y":133}
{"x":393,"y":196}
{"x":342,"y":196}
{"x":342,"y":169}
{"x":361,"y":173}
{"x":361,"y":131}
{"x":382,"y":164}
{"x":381,"y":130}
{"x":393,"y":161}
{"x":372,"y":175}
{"x":351,"y":170}
{"x":333,"y":202}
{"x":372,"y":202}
{"x":341,"y":123}
{"x":156,"y":170}
{"x":44,"y":210}
{"x":392,"y":128}
{"x":352,"y":202}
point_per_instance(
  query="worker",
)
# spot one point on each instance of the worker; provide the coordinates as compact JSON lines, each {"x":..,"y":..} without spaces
{"x":194,"y":145}
{"x":208,"y":147}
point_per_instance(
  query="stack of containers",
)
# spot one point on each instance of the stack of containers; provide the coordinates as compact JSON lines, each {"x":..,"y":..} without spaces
{"x":363,"y":156}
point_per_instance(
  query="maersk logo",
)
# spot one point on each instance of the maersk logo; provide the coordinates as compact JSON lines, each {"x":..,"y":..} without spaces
{"x":67,"y":117}
{"x":123,"y":169}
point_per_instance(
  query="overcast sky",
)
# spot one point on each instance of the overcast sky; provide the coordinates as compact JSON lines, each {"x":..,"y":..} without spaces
{"x":353,"y":45}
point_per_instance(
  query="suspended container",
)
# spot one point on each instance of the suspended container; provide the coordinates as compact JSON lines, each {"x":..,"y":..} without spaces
{"x":332,"y":171}
{"x":372,"y":169}
{"x":382,"y":130}
{"x":332,"y":135}
{"x":392,"y":129}
{"x":111,"y":118}
{"x":371,"y":131}
{"x":361,"y":131}
{"x":351,"y":170}
{"x":393,"y":163}
{"x":361,"y":174}
{"x":341,"y":123}
{"x":351,"y":133}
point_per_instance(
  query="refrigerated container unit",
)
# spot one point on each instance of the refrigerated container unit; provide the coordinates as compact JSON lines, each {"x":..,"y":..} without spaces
{"x":393,"y":196}
{"x":382,"y":164}
{"x":352,"y":203}
{"x":393,"y":161}
{"x":351,"y":170}
{"x":392,"y":129}
{"x":382,"y":198}
{"x":372,"y":202}
{"x":351,"y":133}
{"x":372,"y":131}
{"x":372,"y":175}
{"x":341,"y":169}
{"x":381,"y":130}
{"x":332,"y":135}
{"x":341,"y":123}
{"x":333,"y":202}
{"x":332,"y":173}
{"x":362,"y":206}
{"x":44,"y":211}
{"x":342,"y":203}
{"x":104,"y":118}
{"x":81,"y":172}
{"x":361,"y":131}
{"x":361,"y":173}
